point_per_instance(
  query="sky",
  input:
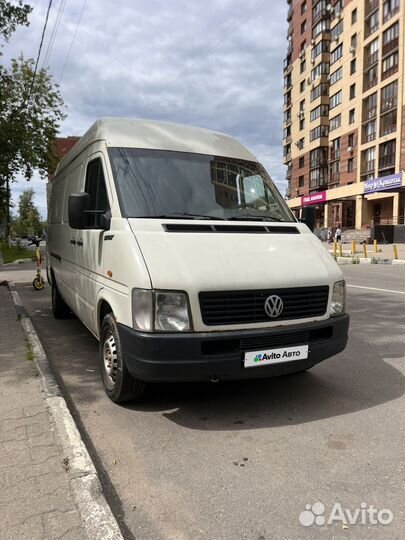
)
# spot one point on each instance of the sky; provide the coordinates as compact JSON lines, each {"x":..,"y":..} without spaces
{"x":215,"y":64}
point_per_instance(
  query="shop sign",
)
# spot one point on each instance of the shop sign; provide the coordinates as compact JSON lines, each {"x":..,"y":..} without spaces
{"x":384,"y":183}
{"x":315,"y":198}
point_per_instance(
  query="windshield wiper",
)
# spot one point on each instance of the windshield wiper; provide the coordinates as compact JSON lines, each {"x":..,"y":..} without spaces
{"x":185,"y":215}
{"x":251,"y":217}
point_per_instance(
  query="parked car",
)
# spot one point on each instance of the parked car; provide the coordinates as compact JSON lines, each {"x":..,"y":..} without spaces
{"x":174,"y":247}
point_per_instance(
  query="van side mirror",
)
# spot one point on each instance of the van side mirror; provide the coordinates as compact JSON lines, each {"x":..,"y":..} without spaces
{"x":308,"y":217}
{"x":78,"y":204}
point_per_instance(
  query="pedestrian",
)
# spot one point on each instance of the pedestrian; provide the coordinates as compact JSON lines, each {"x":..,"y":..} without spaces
{"x":338,"y":234}
{"x":329,"y":236}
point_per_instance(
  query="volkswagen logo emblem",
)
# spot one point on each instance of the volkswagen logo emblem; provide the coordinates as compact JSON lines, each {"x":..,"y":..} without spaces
{"x":273,"y":306}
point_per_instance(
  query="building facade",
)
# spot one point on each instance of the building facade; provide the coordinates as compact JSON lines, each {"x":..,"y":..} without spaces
{"x":344,"y":111}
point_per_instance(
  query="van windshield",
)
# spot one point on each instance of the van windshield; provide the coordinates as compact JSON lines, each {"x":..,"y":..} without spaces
{"x":160,"y":183}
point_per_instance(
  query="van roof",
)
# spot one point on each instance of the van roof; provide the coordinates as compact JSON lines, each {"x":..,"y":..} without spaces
{"x":150,"y":134}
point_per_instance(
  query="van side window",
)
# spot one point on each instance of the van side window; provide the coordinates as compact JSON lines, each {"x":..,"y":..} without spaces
{"x":96,"y":188}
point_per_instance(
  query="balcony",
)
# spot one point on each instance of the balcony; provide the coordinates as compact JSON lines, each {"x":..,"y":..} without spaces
{"x":387,"y":161}
{"x":334,"y":155}
{"x":287,"y":104}
{"x":388,"y":103}
{"x":388,"y":123}
{"x":290,"y":13}
{"x":371,"y":61}
{"x":390,"y":46}
{"x":370,"y":83}
{"x":322,"y":14}
{"x":389,"y":72}
{"x":389,"y":14}
{"x":287,"y":157}
{"x":371,"y":6}
{"x":287,"y":65}
{"x":368,"y":167}
{"x":289,"y":172}
{"x":287,"y":140}
{"x":334,"y":178}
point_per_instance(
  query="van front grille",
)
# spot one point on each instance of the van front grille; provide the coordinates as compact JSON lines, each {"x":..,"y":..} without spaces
{"x":244,"y":307}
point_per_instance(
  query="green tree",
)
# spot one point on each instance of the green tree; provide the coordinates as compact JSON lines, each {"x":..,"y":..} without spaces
{"x":31,"y":109}
{"x":12,"y":15}
{"x":28,"y":221}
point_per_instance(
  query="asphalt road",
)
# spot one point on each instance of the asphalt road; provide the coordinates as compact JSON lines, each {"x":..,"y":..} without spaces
{"x":242,"y":460}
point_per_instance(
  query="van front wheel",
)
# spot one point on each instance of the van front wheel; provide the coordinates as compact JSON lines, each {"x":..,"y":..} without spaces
{"x":119,"y":384}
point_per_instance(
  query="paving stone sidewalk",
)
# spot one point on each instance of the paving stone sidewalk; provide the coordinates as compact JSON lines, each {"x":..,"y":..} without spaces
{"x":36,"y":500}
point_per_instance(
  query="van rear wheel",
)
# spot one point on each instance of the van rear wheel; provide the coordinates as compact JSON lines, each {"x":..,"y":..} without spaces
{"x":119,"y":385}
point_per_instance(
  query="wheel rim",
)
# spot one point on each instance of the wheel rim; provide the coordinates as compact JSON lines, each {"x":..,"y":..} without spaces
{"x":110,"y":358}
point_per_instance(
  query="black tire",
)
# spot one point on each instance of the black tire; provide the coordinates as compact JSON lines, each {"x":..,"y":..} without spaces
{"x":119,"y":385}
{"x":38,"y":283}
{"x":60,"y":309}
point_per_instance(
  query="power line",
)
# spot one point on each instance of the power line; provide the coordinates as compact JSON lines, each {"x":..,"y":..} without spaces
{"x":39,"y":52}
{"x":54,"y":33}
{"x":71,"y":43}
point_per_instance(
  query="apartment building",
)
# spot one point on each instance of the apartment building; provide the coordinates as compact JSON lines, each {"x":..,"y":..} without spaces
{"x":344,"y":111}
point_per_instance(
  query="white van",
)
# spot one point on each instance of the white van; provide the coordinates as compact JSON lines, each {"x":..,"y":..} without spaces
{"x":173,"y":246}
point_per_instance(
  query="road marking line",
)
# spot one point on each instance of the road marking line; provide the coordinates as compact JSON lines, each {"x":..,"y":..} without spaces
{"x":375,"y":289}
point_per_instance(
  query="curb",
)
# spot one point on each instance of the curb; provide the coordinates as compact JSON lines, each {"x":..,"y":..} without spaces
{"x":96,"y":514}
{"x":369,"y":260}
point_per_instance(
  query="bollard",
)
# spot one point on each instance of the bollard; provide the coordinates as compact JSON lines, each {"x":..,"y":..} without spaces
{"x":340,"y":249}
{"x":375,"y":246}
{"x":353,"y":247}
{"x":334,"y":248}
{"x":394,"y":247}
{"x":365,"y":251}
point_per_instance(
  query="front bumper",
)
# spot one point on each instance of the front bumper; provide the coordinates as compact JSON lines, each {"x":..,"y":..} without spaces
{"x":203,"y":356}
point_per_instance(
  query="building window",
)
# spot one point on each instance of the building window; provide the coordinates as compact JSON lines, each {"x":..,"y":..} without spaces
{"x":336,"y":30}
{"x":335,"y":149}
{"x":350,"y":165}
{"x":302,"y":124}
{"x":386,"y":158}
{"x":303,"y":26}
{"x":303,"y":8}
{"x":318,"y":157}
{"x":334,"y":177}
{"x":350,"y":140}
{"x":389,"y":65}
{"x":320,"y":90}
{"x":318,"y":132}
{"x":321,"y":47}
{"x":354,"y":15}
{"x":390,"y":39}
{"x":352,"y":66}
{"x":389,"y":96}
{"x":369,"y":131}
{"x":301,"y":162}
{"x":320,"y":69}
{"x":368,"y":160}
{"x":371,"y":54}
{"x":352,"y":113}
{"x":302,"y":85}
{"x":336,"y":76}
{"x":353,"y":42}
{"x":352,"y":91}
{"x":303,"y":46}
{"x":388,"y":123}
{"x":336,"y":54}
{"x":371,"y":24}
{"x":335,"y":122}
{"x":370,"y":78}
{"x":300,"y":143}
{"x":390,"y":8}
{"x":321,"y":26}
{"x":335,"y":100}
{"x":370,"y":107}
{"x":321,"y":110}
{"x":301,"y":181}
{"x":303,"y":66}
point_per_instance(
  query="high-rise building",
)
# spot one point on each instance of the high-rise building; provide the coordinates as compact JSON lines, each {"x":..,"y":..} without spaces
{"x":344,"y":110}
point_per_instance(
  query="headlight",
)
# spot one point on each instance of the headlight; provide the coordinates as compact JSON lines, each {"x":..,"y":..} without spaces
{"x":161,"y":311}
{"x":171,"y":309}
{"x":338,"y":304}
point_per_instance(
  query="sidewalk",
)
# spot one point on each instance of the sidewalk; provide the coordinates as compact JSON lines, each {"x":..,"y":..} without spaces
{"x":36,"y":498}
{"x":385,"y":251}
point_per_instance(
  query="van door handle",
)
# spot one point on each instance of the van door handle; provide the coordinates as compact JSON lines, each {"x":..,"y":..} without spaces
{"x":73,"y":242}
{"x":80,"y":243}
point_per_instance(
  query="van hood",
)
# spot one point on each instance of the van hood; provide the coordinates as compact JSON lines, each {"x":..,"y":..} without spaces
{"x":212,"y":261}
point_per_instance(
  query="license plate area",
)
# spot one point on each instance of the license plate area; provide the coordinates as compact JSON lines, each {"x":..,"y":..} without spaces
{"x":275,"y":356}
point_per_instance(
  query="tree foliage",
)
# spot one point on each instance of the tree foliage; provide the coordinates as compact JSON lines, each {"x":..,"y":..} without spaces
{"x":29,"y":122}
{"x":28,"y":221}
{"x":11,"y":15}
